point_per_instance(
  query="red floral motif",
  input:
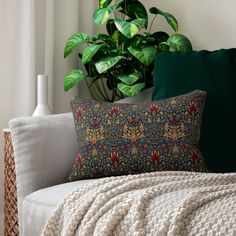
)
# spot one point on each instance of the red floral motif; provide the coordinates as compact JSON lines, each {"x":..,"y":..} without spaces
{"x":79,"y":113}
{"x":192,"y":108}
{"x":114,"y":111}
{"x":79,"y":161}
{"x":115,"y":157}
{"x":154,"y":109}
{"x":133,"y":121}
{"x":194,"y":156}
{"x":155,"y":157}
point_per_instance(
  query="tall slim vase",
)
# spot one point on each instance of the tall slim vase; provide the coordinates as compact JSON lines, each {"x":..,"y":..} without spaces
{"x":42,"y":96}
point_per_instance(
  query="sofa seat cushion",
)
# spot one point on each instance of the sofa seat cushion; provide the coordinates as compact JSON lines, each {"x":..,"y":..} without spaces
{"x":38,"y":206}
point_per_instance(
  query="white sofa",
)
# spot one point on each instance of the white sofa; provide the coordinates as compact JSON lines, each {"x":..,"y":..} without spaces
{"x":44,"y":149}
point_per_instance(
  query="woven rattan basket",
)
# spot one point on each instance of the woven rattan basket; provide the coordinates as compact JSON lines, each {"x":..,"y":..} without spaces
{"x":11,"y":227}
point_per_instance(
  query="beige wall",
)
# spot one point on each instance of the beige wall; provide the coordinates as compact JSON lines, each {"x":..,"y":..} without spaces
{"x":210,"y":24}
{"x":84,"y":21}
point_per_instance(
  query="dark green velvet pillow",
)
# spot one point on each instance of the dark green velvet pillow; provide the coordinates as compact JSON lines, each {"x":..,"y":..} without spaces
{"x":176,"y":73}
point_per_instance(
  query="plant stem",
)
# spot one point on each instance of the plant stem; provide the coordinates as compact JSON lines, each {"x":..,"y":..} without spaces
{"x":151,"y":24}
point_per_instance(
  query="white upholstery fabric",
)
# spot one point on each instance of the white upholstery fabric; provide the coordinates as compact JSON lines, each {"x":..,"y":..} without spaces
{"x":37,"y":207}
{"x":44,"y":149}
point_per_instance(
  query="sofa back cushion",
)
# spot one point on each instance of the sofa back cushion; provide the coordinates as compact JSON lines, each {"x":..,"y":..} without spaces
{"x":176,"y":73}
{"x":118,"y":139}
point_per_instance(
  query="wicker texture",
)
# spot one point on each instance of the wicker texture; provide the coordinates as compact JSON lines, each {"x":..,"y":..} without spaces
{"x":11,"y":227}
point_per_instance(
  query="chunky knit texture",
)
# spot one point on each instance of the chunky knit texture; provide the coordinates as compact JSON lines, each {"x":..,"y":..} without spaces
{"x":158,"y":203}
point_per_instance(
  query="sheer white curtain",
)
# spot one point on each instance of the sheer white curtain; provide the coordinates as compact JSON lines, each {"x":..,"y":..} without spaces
{"x":33,"y":34}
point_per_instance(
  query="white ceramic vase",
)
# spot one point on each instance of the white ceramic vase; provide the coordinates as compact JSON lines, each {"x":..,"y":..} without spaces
{"x":42,"y":96}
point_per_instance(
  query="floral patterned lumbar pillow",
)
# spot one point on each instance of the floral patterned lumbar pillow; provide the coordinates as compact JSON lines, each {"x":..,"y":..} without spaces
{"x":118,"y":139}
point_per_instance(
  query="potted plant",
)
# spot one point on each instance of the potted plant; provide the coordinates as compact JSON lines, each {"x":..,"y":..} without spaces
{"x":120,"y":63}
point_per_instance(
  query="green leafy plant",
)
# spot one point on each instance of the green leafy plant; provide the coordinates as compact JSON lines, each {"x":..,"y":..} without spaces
{"x":120,"y":63}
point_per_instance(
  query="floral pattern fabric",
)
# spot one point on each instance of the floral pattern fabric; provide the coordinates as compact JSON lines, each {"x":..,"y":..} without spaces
{"x":117,"y":139}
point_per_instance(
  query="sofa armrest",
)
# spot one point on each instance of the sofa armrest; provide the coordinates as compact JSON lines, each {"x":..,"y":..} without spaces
{"x":44,"y":149}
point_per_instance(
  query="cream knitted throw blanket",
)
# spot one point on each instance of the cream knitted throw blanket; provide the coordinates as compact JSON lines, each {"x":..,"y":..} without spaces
{"x":160,"y":203}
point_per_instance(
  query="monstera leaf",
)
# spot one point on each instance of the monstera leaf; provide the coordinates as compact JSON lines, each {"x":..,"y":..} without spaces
{"x":106,"y":63}
{"x":102,"y":37}
{"x":101,"y":15}
{"x":89,"y":52}
{"x":104,"y":3}
{"x":145,"y":55}
{"x":75,"y":41}
{"x":72,"y":78}
{"x":169,"y":18}
{"x":129,"y":29}
{"x":129,"y":79}
{"x":179,"y":43}
{"x":135,"y":10}
{"x":107,"y":39}
{"x":130,"y":90}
